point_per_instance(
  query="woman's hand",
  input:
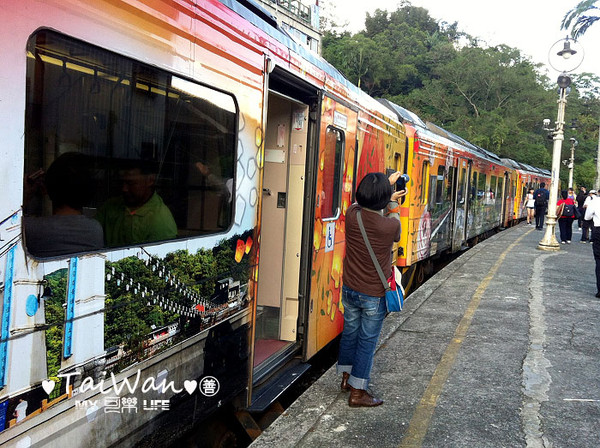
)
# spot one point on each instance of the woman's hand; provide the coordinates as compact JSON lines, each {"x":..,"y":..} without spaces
{"x":396,"y":195}
{"x":394,"y":177}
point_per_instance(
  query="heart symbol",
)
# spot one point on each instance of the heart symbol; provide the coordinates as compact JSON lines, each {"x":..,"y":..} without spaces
{"x":190,"y":386}
{"x":48,"y":386}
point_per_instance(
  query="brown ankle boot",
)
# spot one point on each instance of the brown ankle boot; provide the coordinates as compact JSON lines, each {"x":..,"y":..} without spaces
{"x":344,"y":386}
{"x":362,"y":398}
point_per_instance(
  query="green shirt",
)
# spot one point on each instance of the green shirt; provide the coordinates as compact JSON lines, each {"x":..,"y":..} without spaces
{"x":122,"y":226}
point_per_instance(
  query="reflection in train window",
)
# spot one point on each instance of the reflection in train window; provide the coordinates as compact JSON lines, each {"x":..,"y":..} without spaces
{"x":473,"y":187}
{"x":140,"y":127}
{"x":449,"y":183}
{"x":333,"y":157}
{"x":481,"y":186}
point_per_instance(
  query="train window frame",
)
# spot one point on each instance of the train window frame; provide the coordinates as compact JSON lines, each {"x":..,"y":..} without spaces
{"x":449,"y":184}
{"x":463,"y":183}
{"x":493,"y":187}
{"x":473,"y":186}
{"x":339,"y":150}
{"x":482,"y":186}
{"x":439,"y":185}
{"x":184,"y":132}
{"x":425,"y":176}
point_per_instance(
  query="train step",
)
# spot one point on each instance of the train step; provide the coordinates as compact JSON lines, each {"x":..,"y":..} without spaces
{"x":264,"y":397}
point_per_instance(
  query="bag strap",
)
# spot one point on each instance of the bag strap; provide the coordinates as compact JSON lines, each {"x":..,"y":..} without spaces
{"x":384,"y":281}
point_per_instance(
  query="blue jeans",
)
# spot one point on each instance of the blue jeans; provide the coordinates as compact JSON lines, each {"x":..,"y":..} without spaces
{"x":363,"y":319}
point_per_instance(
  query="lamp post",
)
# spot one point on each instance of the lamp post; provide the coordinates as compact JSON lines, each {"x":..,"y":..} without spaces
{"x":571,"y":165}
{"x":564,"y":64}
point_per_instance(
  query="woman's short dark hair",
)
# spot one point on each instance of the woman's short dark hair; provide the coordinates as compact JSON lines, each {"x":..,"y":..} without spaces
{"x":374,"y":191}
{"x":564,"y":194}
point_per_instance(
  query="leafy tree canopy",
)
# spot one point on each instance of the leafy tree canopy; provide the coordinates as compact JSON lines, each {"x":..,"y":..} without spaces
{"x":492,"y":96}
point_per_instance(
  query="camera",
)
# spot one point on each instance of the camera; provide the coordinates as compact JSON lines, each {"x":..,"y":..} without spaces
{"x":401,"y":182}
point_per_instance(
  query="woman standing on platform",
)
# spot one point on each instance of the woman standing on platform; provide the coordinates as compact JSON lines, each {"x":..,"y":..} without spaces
{"x":530,"y":204}
{"x":566,"y":214}
{"x":363,"y":295}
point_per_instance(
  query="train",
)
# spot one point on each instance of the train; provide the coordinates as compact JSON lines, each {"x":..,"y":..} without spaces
{"x":251,"y":146}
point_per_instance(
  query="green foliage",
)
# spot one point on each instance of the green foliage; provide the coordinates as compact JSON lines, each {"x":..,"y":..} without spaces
{"x":55,"y":316}
{"x":492,"y":96}
{"x":581,"y":17}
{"x":129,"y":317}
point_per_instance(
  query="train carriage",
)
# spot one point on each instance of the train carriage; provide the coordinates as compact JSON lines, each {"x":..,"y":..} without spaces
{"x":251,"y":147}
{"x":525,"y":177}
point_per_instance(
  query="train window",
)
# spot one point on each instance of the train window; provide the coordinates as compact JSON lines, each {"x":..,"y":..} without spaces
{"x":154,"y":144}
{"x":425,"y":176}
{"x":481,"y":186}
{"x":461,"y":185}
{"x":332,"y":163}
{"x":473,"y":187}
{"x":500,"y":188}
{"x":449,"y":183}
{"x":439,"y":185}
{"x":491,"y":193}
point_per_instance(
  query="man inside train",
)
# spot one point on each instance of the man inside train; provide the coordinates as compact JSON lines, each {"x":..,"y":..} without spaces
{"x":139,"y":214}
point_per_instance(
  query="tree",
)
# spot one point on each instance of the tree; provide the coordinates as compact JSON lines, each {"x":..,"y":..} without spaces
{"x":491,"y":96}
{"x":578,"y":20}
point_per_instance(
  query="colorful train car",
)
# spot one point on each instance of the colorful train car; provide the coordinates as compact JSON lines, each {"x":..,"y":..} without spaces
{"x":176,"y":176}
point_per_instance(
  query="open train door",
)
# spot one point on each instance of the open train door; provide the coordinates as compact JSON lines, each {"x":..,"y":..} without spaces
{"x":461,"y":203}
{"x":334,"y":176}
{"x":290,"y":140}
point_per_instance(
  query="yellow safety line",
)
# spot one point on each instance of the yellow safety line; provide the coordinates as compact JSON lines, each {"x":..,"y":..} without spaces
{"x":420,"y":421}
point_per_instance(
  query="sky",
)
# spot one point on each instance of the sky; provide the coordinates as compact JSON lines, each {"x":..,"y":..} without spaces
{"x":532,"y":26}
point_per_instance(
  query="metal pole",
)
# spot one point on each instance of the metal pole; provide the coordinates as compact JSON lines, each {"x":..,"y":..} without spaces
{"x":549,"y":241}
{"x":571,"y":165}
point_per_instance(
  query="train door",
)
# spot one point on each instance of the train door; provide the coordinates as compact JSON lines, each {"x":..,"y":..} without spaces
{"x":284,"y":163}
{"x":506,"y":201}
{"x":461,"y":204}
{"x":334,"y":177}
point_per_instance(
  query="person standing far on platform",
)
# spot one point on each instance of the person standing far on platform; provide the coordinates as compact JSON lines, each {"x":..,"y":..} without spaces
{"x":363,"y":295}
{"x":580,"y":200}
{"x":565,"y":210}
{"x":541,"y":196}
{"x":529,"y":203}
{"x":587,"y":224}
{"x":592,"y":212}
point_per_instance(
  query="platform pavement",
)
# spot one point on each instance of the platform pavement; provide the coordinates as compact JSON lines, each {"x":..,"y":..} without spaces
{"x":498,"y":349}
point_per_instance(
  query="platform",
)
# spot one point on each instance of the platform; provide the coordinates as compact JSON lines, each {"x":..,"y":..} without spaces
{"x":501,"y":348}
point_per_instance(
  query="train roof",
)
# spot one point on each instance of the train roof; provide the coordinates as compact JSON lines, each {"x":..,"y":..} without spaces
{"x":428,"y":128}
{"x":525,"y":167}
{"x":404,"y":115}
{"x":267,"y":22}
{"x":461,"y":141}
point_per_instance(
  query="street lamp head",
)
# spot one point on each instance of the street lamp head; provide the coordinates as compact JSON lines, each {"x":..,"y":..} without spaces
{"x":546,"y":123}
{"x":565,"y":55}
{"x":567,"y":51}
{"x":564,"y":81}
